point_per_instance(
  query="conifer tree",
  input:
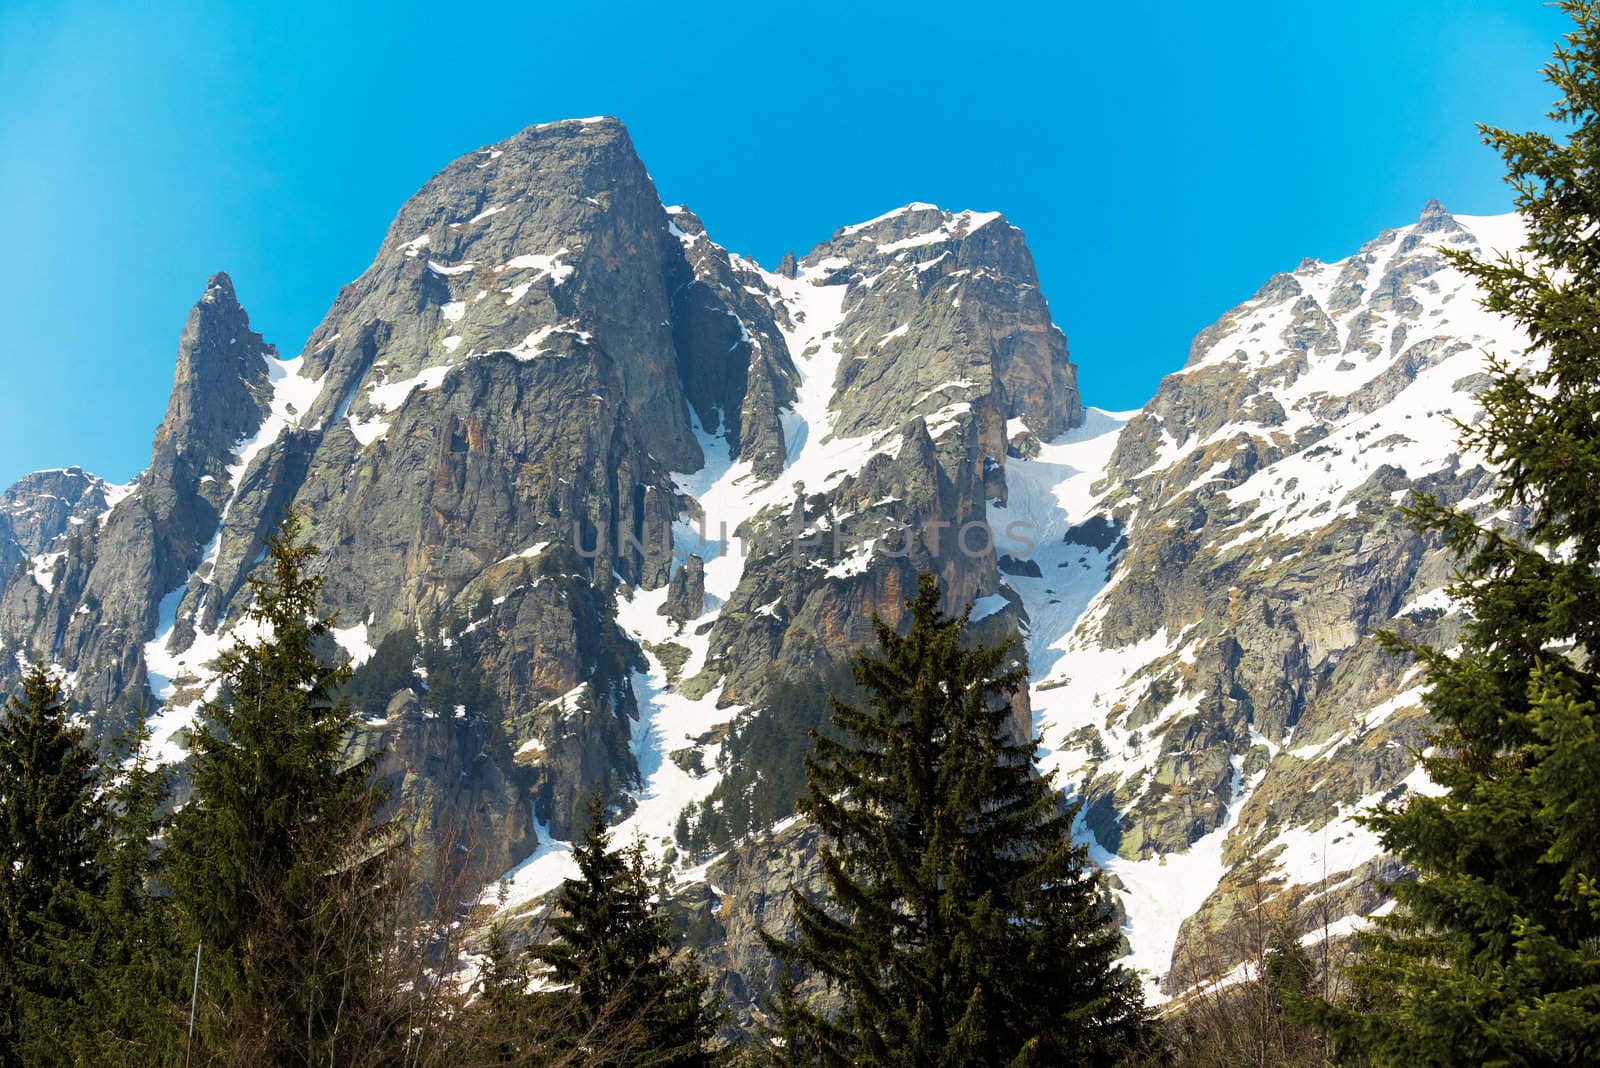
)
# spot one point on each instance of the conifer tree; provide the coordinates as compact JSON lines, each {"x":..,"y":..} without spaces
{"x":279,"y":867}
{"x":612,"y":950}
{"x":137,"y":967}
{"x":53,"y":827}
{"x":963,"y":926}
{"x":1286,"y":967}
{"x":1493,"y":953}
{"x":504,"y":1031}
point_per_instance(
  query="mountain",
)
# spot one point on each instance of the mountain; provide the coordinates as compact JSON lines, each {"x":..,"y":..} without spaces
{"x":1200,"y":603}
{"x":603,"y":505}
{"x":39,"y":509}
{"x":1221,"y":704}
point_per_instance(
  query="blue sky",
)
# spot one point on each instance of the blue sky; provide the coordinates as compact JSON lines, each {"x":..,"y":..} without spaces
{"x":1163,"y":159}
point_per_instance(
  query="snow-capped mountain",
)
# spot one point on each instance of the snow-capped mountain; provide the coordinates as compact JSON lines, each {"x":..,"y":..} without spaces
{"x":1221,"y":704}
{"x":649,"y":490}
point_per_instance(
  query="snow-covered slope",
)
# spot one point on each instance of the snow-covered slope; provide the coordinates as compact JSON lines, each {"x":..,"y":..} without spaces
{"x":1220,"y":702}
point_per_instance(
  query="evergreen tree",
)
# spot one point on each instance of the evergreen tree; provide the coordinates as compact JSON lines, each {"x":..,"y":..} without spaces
{"x":278,"y":864}
{"x":138,"y":966}
{"x":1286,"y":967}
{"x":612,"y":950}
{"x":505,"y":1031}
{"x":1493,"y":953}
{"x":53,"y":826}
{"x":964,"y":926}
{"x":391,"y":668}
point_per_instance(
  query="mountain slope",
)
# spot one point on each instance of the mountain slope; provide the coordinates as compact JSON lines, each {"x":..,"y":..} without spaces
{"x":1199,"y":602}
{"x":1222,"y":700}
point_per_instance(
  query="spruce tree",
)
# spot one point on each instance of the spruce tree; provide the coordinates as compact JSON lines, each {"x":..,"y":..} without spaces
{"x":503,"y":1025}
{"x":1493,"y":953}
{"x":279,"y":867}
{"x":612,"y":952}
{"x":138,"y":967}
{"x":53,"y":827}
{"x":963,"y":925}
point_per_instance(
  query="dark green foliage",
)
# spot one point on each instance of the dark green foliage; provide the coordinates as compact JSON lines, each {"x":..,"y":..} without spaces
{"x":1286,"y":967}
{"x":1493,"y":953}
{"x":612,"y":949}
{"x":762,"y":763}
{"x":454,"y":678}
{"x":391,"y":668}
{"x":277,"y":863}
{"x":53,"y":833}
{"x":443,"y":668}
{"x":963,"y":925}
{"x":132,"y":1013}
{"x":87,"y":960}
{"x":445,"y":674}
{"x":504,"y":1016}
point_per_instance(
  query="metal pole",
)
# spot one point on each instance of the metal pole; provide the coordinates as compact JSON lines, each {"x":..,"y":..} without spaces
{"x":194,"y":1003}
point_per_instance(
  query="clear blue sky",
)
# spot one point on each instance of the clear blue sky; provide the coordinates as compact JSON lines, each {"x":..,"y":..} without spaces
{"x":1163,"y":159}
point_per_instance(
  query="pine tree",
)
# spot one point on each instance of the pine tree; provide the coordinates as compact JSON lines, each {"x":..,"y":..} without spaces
{"x":504,"y":1030}
{"x":137,"y":970}
{"x":612,"y":951}
{"x":1286,"y":967}
{"x":278,"y":864}
{"x":53,"y":826}
{"x":963,"y":926}
{"x":1493,"y":953}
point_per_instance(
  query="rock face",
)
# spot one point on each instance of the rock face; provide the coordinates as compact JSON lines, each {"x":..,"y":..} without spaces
{"x":947,"y":313}
{"x":686,"y":593}
{"x":40,"y":508}
{"x":592,"y":491}
{"x":522,"y":431}
{"x":745,"y":892}
{"x":1221,"y":705}
{"x":116,"y":571}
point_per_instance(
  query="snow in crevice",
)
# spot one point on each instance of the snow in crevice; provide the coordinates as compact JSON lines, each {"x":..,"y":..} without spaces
{"x":668,"y":721}
{"x":1046,"y":496}
{"x":292,"y":397}
{"x":291,"y":400}
{"x":539,"y":872}
{"x":1076,"y":681}
{"x":43,"y":569}
{"x":355,"y":642}
{"x":1161,"y":892}
{"x":726,"y":493}
{"x":164,"y":667}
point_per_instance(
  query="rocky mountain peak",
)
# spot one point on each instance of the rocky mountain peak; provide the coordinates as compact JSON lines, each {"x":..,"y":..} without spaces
{"x":1433,"y":214}
{"x":555,"y":178}
{"x":915,"y":225}
{"x":943,"y":311}
{"x":1437,"y":225}
{"x":42,"y":506}
{"x":1229,"y":661}
{"x":219,"y":385}
{"x":219,"y":288}
{"x":549,"y":243}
